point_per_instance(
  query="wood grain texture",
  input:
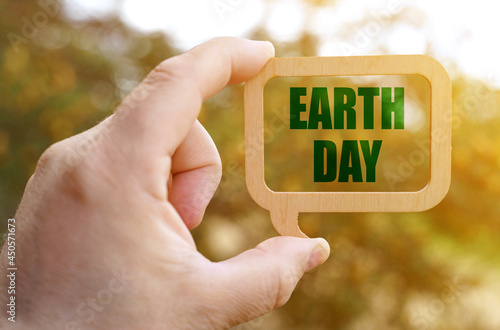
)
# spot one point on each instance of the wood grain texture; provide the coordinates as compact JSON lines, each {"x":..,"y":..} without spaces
{"x":285,"y":206}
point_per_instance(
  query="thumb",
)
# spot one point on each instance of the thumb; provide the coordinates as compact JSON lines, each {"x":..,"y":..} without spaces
{"x":262,"y":279}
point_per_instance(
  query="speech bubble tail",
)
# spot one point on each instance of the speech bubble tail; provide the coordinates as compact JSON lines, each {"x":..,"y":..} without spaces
{"x":286,"y":222}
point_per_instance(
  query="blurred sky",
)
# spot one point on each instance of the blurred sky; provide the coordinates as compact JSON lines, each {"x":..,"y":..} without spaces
{"x":458,"y":32}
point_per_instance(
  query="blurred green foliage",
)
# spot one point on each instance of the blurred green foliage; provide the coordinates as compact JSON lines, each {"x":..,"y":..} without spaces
{"x":387,"y":271}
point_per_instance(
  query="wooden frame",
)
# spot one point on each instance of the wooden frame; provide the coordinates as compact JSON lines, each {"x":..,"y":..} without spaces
{"x":285,"y":206}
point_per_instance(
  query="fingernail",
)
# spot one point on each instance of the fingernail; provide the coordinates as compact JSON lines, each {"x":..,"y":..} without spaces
{"x":319,"y":255}
{"x":269,"y":47}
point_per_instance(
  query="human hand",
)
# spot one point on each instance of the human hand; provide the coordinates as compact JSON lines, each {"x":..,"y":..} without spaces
{"x":103,"y":235}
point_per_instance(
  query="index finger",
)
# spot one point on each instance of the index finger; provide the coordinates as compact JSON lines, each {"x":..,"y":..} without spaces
{"x":158,"y":115}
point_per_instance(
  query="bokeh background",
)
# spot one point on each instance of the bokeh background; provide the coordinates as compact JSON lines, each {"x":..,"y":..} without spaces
{"x":65,"y":65}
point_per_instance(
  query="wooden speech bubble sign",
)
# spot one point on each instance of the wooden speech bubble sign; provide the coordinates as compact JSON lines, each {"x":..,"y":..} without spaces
{"x":284,"y":207}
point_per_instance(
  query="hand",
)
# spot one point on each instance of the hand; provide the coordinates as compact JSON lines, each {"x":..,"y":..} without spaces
{"x":102,"y":232}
